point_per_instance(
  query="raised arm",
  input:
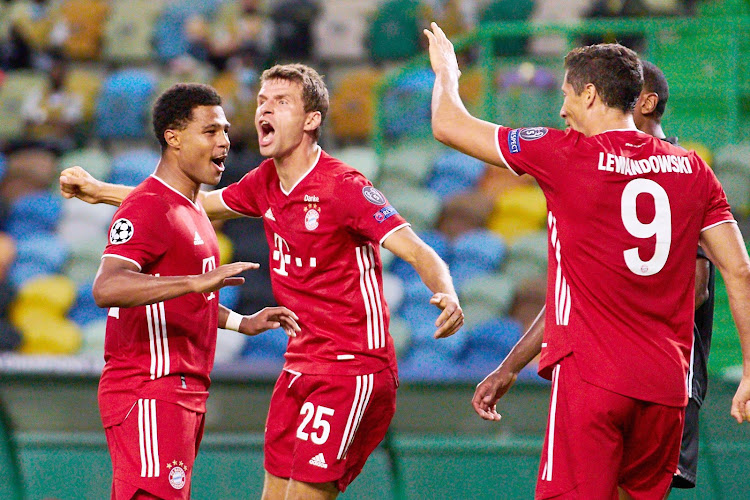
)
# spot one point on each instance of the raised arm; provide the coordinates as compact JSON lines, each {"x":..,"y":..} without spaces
{"x":120,"y":283}
{"x":726,"y":249}
{"x":404,"y":243}
{"x":496,"y":384}
{"x":451,"y":122}
{"x":75,"y":182}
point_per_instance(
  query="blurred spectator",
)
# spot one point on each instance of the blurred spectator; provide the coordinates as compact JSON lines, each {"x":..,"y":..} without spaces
{"x":31,"y":167}
{"x":53,"y":112}
{"x":529,"y":299}
{"x":464,"y":212}
{"x":238,"y":88}
{"x":238,"y":28}
{"x":293,"y":20}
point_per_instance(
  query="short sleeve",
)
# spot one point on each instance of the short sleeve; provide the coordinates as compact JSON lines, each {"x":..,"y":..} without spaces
{"x":535,"y":149}
{"x":365,"y":210}
{"x":242,"y":196}
{"x":140,"y":232}
{"x":718,"y":210}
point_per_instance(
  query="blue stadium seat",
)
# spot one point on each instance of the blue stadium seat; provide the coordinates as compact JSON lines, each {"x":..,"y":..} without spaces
{"x":123,"y":104}
{"x":229,"y":296}
{"x":170,"y":39}
{"x":406,"y":105}
{"x":84,"y":309}
{"x":426,"y":364}
{"x":34,"y":213}
{"x":38,"y":254}
{"x":131,"y":167}
{"x":454,"y":172}
{"x":3,"y":166}
{"x":270,"y":344}
{"x":475,"y":253}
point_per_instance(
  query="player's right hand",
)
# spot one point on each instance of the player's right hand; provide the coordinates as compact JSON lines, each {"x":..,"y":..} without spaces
{"x":75,"y":182}
{"x":490,"y":390}
{"x":222,"y":276}
{"x":741,"y":402}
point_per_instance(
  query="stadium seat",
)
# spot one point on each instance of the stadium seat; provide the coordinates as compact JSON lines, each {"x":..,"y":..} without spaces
{"x":494,"y":291}
{"x":34,"y":213}
{"x":406,"y":104}
{"x":393,"y":290}
{"x":95,"y":160}
{"x":363,"y":158}
{"x":401,"y":333}
{"x":131,"y":167}
{"x":427,"y":364}
{"x":339,"y":32}
{"x":38,"y":254}
{"x":419,"y":206}
{"x":410,"y":160}
{"x":13,"y":92}
{"x":352,"y":108}
{"x":92,"y":337}
{"x":128,"y":35}
{"x":395,"y":30}
{"x":86,"y":83}
{"x":436,"y":241}
{"x":170,"y":40}
{"x":475,"y":313}
{"x":504,"y":11}
{"x":123,"y":105}
{"x":270,"y":344}
{"x":454,"y":172}
{"x":518,"y":211}
{"x":229,"y":345}
{"x":85,"y":23}
{"x":84,"y":309}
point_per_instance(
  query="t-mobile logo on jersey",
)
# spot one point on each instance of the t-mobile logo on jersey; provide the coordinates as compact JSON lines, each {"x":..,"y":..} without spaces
{"x":283,"y":256}
{"x":209,"y":264}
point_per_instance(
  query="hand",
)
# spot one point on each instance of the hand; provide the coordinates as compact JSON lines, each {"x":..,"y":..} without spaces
{"x":269,"y":318}
{"x":452,"y":317}
{"x":75,"y":182}
{"x":741,"y":401}
{"x":222,"y":276}
{"x":442,"y":53}
{"x":490,"y":390}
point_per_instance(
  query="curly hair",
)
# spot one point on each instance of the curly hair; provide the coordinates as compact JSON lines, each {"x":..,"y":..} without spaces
{"x":614,"y":69}
{"x":173,"y":109}
{"x":314,"y":91}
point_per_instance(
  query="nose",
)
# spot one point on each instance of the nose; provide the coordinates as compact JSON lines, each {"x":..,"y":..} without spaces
{"x":563,"y":114}
{"x":224,"y":140}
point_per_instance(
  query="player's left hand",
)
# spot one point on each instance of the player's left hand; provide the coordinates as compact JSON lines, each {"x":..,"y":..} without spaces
{"x":269,"y":318}
{"x":442,"y":53}
{"x":452,"y":317}
{"x":741,"y":401}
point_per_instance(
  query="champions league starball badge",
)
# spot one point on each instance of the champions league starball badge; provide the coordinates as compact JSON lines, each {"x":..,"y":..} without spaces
{"x":122,"y":230}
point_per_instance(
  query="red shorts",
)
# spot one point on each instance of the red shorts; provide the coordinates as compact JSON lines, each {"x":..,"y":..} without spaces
{"x":322,"y":428}
{"x":153,"y":450}
{"x":598,"y":440}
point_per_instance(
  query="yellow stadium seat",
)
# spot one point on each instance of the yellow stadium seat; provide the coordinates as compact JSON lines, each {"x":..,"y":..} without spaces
{"x":352,"y":107}
{"x":85,"y":22}
{"x":53,"y":293}
{"x":518,"y":211}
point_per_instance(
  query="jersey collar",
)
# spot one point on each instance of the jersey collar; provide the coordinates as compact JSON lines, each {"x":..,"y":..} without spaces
{"x":315,"y":163}
{"x":195,"y":205}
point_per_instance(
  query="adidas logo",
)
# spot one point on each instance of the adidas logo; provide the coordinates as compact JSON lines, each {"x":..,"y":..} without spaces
{"x":269,"y":215}
{"x":197,"y":240}
{"x":319,"y":461}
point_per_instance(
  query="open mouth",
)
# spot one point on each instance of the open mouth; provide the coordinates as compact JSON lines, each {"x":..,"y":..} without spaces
{"x":219,"y":162}
{"x":266,"y":133}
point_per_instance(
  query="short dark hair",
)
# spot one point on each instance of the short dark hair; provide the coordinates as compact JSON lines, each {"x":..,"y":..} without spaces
{"x":655,"y":81}
{"x":173,"y":109}
{"x":314,"y":91}
{"x":614,"y":69}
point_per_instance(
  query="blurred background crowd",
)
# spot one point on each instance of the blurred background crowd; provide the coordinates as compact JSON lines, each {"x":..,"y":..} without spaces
{"x":78,"y":77}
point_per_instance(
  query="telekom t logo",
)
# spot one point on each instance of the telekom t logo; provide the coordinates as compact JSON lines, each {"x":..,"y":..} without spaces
{"x":281,"y":254}
{"x":209,"y":264}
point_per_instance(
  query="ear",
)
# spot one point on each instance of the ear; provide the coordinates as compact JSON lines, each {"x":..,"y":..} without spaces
{"x":649,"y":103}
{"x":172,"y":137}
{"x":312,"y":121}
{"x":589,"y":94}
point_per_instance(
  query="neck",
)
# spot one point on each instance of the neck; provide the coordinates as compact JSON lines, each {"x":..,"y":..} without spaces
{"x":169,"y":171}
{"x":292,"y":167}
{"x":653,"y":128}
{"x":606,"y":118}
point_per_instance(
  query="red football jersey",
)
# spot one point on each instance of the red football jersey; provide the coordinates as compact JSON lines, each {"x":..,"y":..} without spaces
{"x":163,"y":350}
{"x":324,"y":236}
{"x":625,"y":213}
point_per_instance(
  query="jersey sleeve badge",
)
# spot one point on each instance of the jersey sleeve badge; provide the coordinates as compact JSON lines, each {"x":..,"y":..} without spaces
{"x":122,"y":230}
{"x":373,"y":195}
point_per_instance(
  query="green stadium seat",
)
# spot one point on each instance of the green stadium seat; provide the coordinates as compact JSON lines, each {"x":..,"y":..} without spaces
{"x":493,"y":291}
{"x":394,"y":32}
{"x":13,"y":92}
{"x":508,"y":10}
{"x":419,"y":206}
{"x":411,"y":159}
{"x":129,"y":31}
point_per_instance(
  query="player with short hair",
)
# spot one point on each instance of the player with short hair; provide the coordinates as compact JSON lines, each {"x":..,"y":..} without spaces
{"x":647,"y":117}
{"x":625,"y":214}
{"x":160,"y":278}
{"x":324,"y":222}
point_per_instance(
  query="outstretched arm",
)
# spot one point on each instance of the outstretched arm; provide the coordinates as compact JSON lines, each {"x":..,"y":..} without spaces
{"x":496,"y":384}
{"x":119,"y":283}
{"x":726,"y":249}
{"x":451,"y":122}
{"x":76,"y":182}
{"x":405,"y":244}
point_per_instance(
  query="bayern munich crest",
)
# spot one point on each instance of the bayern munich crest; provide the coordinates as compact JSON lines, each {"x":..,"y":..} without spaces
{"x":312,"y":217}
{"x":177,"y":474}
{"x":122,"y":230}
